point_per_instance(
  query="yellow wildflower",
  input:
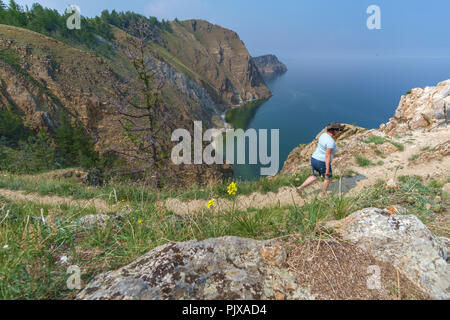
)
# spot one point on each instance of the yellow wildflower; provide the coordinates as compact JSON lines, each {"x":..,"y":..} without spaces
{"x":211,"y":203}
{"x":232,"y":189}
{"x":140,"y":221}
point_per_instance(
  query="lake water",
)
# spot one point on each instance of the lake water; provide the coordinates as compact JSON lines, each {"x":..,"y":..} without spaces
{"x":363,"y":91}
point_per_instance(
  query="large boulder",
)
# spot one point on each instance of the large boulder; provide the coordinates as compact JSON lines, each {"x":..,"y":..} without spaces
{"x":225,"y":268}
{"x":404,"y":241}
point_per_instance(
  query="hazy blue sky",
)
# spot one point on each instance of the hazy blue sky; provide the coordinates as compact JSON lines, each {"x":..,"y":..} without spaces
{"x":291,"y":28}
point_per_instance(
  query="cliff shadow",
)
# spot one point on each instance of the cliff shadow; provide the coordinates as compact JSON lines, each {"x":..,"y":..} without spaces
{"x":240,"y":117}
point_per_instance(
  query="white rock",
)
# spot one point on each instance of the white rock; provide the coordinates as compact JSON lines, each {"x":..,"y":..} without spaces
{"x":403,"y":241}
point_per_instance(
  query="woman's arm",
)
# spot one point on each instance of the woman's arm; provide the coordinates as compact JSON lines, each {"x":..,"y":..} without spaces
{"x":328,"y":161}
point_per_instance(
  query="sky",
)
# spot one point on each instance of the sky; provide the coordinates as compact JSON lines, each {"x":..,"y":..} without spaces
{"x":295,"y":28}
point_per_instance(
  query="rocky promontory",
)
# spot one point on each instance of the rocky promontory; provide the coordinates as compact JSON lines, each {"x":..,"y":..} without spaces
{"x":269,"y":66}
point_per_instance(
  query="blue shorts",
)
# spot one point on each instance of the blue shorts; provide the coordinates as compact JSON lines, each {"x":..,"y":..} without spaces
{"x":320,"y":168}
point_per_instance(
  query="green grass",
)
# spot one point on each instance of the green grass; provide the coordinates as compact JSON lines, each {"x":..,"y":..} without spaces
{"x":30,"y":266}
{"x":378,"y":153}
{"x":428,"y":149}
{"x":363,"y":162}
{"x":380,"y":141}
{"x":398,"y":145}
{"x":414,"y":157}
{"x":129,"y":192}
{"x":375,"y":139}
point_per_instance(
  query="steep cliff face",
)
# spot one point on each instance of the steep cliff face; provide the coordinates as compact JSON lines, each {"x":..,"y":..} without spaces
{"x":206,"y":70}
{"x":218,"y":60}
{"x":269,"y":66}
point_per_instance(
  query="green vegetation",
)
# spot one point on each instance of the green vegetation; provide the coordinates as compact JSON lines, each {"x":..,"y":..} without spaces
{"x":50,"y":23}
{"x":428,"y":149}
{"x":380,"y":154}
{"x":398,"y":145}
{"x":375,"y":139}
{"x":31,"y":251}
{"x":23,"y":151}
{"x":380,"y":141}
{"x":47,"y":186}
{"x":363,"y":162}
{"x":414,"y":157}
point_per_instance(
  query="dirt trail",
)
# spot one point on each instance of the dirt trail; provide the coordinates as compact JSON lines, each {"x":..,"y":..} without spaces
{"x":436,"y":167}
{"x":100,"y":205}
{"x":397,"y":161}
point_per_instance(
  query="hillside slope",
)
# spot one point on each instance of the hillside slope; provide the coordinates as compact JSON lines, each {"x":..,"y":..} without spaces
{"x":206,"y":69}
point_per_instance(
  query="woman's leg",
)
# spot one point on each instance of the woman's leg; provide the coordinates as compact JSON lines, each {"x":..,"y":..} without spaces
{"x":308,"y":182}
{"x":326,"y":185}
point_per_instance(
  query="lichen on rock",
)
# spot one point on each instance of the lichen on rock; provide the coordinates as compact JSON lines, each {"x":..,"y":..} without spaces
{"x":224,"y":269}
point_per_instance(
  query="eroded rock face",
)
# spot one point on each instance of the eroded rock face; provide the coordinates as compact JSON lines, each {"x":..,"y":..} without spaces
{"x":426,"y":108}
{"x":269,"y":66}
{"x":403,"y":241}
{"x":220,"y":61}
{"x":225,"y":268}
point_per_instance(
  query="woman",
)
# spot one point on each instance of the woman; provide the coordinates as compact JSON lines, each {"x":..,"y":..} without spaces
{"x":323,"y":157}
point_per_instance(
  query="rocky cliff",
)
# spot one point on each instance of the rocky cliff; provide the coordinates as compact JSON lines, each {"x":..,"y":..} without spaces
{"x":269,"y":66}
{"x":206,"y":70}
{"x":421,"y":109}
{"x":218,"y":60}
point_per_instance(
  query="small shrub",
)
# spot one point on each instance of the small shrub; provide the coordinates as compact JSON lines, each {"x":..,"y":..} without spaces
{"x":363,"y":162}
{"x":375,"y":139}
{"x":341,"y":207}
{"x":398,"y":145}
{"x":307,"y":219}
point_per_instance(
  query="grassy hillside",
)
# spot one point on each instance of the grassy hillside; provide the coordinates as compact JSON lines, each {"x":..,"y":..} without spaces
{"x":39,"y":240}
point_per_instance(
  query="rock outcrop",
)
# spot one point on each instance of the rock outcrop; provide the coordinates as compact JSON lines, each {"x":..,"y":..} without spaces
{"x":421,"y":119}
{"x":403,"y":241}
{"x":223,"y":269}
{"x":424,"y":109}
{"x":218,"y":60}
{"x":269,"y":66}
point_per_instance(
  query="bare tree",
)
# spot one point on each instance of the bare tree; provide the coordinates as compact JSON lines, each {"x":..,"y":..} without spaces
{"x":142,"y":116}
